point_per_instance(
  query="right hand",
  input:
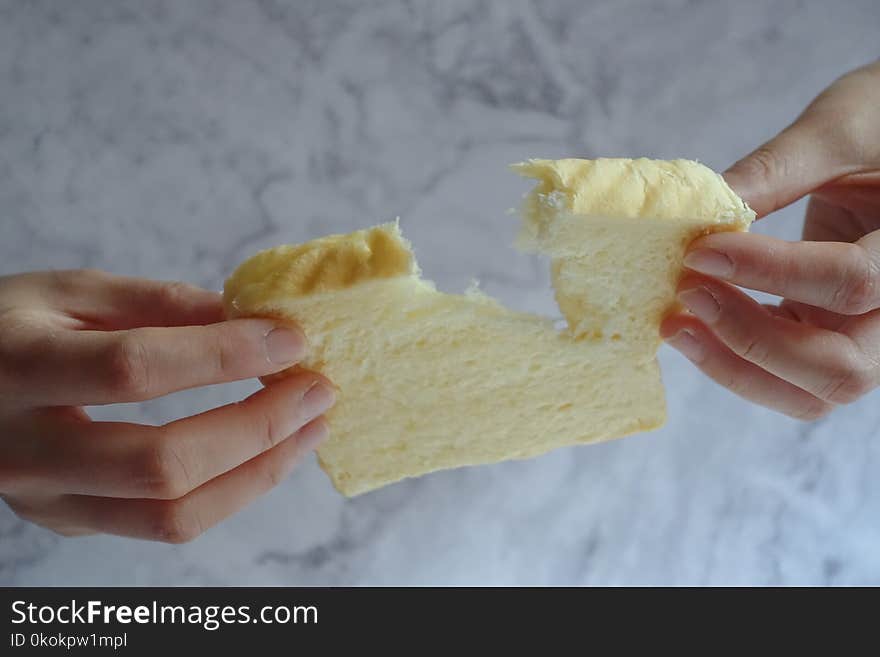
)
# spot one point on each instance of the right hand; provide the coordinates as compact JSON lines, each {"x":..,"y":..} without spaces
{"x":75,"y":338}
{"x":820,"y":347}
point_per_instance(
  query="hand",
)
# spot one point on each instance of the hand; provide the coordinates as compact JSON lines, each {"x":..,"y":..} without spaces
{"x":820,"y":346}
{"x":77,"y":338}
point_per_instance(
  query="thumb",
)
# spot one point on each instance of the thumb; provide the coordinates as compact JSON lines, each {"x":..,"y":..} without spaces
{"x":834,"y":139}
{"x":787,"y":167}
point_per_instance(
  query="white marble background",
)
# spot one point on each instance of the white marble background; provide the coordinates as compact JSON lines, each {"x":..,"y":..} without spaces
{"x":172,"y":139}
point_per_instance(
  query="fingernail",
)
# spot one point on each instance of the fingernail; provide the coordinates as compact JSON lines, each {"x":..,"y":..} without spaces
{"x":687,"y":343}
{"x":312,"y":435}
{"x":318,"y":399}
{"x":284,"y":346}
{"x":709,"y":261}
{"x":701,"y":303}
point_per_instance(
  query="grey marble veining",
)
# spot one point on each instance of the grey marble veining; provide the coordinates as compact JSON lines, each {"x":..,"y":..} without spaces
{"x":173,"y":139}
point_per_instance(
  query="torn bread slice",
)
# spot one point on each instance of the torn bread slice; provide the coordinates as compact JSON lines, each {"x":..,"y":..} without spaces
{"x":429,"y":380}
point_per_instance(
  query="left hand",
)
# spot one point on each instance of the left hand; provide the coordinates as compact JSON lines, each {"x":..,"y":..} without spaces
{"x":820,"y":347}
{"x":75,"y":338}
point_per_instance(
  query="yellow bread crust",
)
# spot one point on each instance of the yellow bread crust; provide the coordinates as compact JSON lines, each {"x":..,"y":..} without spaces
{"x":656,"y":190}
{"x":320,"y":266}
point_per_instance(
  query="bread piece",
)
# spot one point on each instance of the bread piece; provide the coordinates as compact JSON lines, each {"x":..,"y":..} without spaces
{"x":429,"y":380}
{"x":617,"y":230}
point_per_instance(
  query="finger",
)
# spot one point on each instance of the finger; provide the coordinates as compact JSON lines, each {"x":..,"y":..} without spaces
{"x":840,"y":277}
{"x":826,"y":364}
{"x":117,"y":459}
{"x":813,"y":316}
{"x":107,"y":301}
{"x":825,"y":143}
{"x":806,"y":315}
{"x":39,"y":511}
{"x":98,"y":299}
{"x":825,"y":221}
{"x":789,"y":166}
{"x":68,"y":367}
{"x":697,"y":343}
{"x":182,"y":520}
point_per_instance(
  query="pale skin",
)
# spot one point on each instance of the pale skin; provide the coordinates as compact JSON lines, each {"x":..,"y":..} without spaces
{"x":820,"y":347}
{"x":80,"y":338}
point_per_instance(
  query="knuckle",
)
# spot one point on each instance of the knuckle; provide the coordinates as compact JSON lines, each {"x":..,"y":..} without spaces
{"x":764,"y":163}
{"x":269,"y":431}
{"x":128,"y":366}
{"x":733,"y":380}
{"x":220,"y":352}
{"x":755,"y":350}
{"x":20,"y":343}
{"x":173,"y":293}
{"x":264,"y":425}
{"x":847,"y":134}
{"x":173,"y":522}
{"x":162,"y":473}
{"x":856,"y":293}
{"x":851,"y":381}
